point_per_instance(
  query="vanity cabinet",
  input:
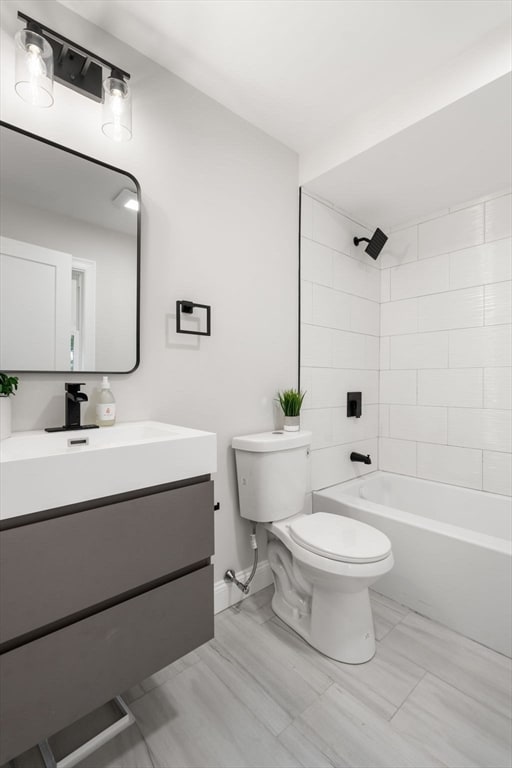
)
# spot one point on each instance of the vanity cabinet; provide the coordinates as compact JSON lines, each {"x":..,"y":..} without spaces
{"x":97,"y":596}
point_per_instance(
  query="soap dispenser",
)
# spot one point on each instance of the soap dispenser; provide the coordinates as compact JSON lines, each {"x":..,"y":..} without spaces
{"x":106,"y":405}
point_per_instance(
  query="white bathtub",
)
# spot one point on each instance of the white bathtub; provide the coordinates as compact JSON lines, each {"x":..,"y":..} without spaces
{"x":452,"y":549}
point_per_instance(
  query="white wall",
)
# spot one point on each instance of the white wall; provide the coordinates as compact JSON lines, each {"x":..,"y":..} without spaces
{"x":340,"y":293}
{"x":219,"y":226}
{"x":115,"y":254}
{"x":446,"y":345}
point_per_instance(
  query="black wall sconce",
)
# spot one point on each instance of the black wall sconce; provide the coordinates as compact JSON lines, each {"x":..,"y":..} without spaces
{"x":43,"y":55}
{"x":187,"y":308}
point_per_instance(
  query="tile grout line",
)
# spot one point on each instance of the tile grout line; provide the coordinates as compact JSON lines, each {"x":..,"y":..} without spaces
{"x":344,"y":253}
{"x":322,"y":752}
{"x":425,"y":673}
{"x":148,"y":748}
{"x":473,"y":203}
{"x":458,"y":634}
{"x":435,"y":442}
{"x":309,"y":706}
{"x":221,"y":651}
{"x":347,"y":330}
{"x":348,"y":293}
{"x":237,"y":663}
{"x":412,"y":261}
{"x":486,"y":705}
{"x":402,"y":619}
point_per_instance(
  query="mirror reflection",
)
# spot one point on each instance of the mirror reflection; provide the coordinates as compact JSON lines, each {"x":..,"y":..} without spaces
{"x":69,"y":260}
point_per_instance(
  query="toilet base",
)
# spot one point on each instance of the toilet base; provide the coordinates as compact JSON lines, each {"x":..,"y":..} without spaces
{"x":340,"y":624}
{"x":326,"y":602}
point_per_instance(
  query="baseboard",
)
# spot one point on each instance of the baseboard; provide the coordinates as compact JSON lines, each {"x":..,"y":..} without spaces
{"x":226,"y":594}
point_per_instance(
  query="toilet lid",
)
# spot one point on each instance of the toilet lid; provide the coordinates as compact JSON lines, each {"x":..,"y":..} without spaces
{"x":340,"y":538}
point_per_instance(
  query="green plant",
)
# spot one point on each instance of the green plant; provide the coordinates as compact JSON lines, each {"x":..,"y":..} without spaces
{"x":8,"y":384}
{"x":290,"y":401}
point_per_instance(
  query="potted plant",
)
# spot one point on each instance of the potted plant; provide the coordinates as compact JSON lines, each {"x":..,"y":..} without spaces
{"x":290,"y":401}
{"x":8,"y":385}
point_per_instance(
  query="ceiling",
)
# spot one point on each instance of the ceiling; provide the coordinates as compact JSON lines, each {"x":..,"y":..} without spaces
{"x":298,"y":69}
{"x":305,"y":71}
{"x":459,"y":153}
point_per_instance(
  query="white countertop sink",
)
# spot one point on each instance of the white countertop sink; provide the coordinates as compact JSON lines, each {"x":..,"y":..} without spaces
{"x":41,"y":470}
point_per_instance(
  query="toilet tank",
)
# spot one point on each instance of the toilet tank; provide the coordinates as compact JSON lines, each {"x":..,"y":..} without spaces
{"x":273,"y":474}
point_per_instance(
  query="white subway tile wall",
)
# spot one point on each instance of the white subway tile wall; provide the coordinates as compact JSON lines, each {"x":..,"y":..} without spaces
{"x":306,"y":216}
{"x":419,"y":423}
{"x":483,"y":347}
{"x":399,"y":317}
{"x":498,"y":472}
{"x":398,"y":387}
{"x":330,"y":466}
{"x":420,"y":278}
{"x":447,"y":464}
{"x":385,"y":353}
{"x":498,"y":303}
{"x":451,"y":232}
{"x":384,"y":420}
{"x":446,"y":317}
{"x":480,"y":265}
{"x":329,"y":386}
{"x":498,"y":388}
{"x":385,"y":285}
{"x":352,"y":276}
{"x":419,"y":350}
{"x":438,"y":360}
{"x":480,"y":428}
{"x":400,"y":249}
{"x":453,"y":309}
{"x":340,"y":342}
{"x":306,"y":301}
{"x":397,"y":456}
{"x":456,"y":388}
{"x":498,"y":218}
{"x":315,"y":262}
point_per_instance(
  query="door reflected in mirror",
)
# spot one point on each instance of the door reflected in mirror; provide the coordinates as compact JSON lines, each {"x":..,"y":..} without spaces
{"x":69,"y":260}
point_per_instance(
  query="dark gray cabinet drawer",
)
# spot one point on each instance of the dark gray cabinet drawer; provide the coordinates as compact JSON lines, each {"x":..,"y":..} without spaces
{"x":49,"y":683}
{"x":58,"y":567}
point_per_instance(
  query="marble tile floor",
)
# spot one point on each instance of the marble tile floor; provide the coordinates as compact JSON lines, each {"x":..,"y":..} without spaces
{"x":257,"y":695}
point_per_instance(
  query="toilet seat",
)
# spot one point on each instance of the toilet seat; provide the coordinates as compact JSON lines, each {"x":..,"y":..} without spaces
{"x":339,"y":538}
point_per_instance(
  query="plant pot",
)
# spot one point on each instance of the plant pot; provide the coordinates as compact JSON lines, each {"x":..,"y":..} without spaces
{"x":291,"y":423}
{"x":5,"y":416}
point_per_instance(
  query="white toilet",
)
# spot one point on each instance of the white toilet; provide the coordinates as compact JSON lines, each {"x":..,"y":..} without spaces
{"x":322,"y":563}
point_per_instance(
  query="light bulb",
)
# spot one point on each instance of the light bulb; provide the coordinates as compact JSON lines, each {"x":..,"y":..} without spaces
{"x":34,"y":68}
{"x":35,"y":61}
{"x":117,"y":114}
{"x":37,"y":69}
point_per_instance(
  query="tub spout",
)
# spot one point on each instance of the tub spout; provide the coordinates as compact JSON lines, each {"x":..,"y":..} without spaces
{"x":359,"y":457}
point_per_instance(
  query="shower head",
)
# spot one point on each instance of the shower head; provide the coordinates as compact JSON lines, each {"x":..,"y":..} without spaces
{"x":375,"y":244}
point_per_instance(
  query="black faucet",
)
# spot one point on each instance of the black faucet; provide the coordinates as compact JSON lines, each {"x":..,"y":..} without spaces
{"x":73,"y":399}
{"x":72,"y":409}
{"x":359,"y":457}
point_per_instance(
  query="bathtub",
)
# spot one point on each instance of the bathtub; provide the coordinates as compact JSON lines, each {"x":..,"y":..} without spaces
{"x":452,"y":549}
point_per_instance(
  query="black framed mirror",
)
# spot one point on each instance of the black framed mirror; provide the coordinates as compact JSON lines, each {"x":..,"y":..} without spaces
{"x":69,"y":260}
